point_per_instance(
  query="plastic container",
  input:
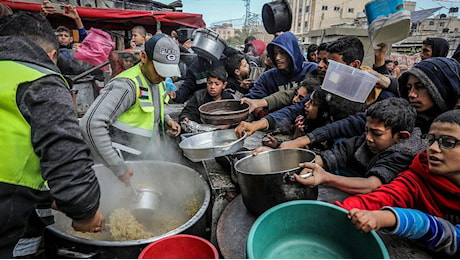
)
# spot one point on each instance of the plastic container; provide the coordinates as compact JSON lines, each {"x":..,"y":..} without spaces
{"x":388,"y":21}
{"x":348,"y":82}
{"x":310,"y":229}
{"x":180,"y":247}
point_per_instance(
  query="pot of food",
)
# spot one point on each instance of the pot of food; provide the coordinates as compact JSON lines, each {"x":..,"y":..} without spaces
{"x":266,"y":179}
{"x":209,"y":145}
{"x":182,"y":198}
{"x":224,"y":112}
{"x":277,"y":16}
{"x":208,"y":44}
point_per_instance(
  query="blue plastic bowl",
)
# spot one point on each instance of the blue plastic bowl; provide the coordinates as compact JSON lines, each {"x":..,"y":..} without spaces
{"x":313,"y":230}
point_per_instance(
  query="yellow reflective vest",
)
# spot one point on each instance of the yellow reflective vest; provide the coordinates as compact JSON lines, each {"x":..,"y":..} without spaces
{"x":19,"y":165}
{"x":139,"y":118}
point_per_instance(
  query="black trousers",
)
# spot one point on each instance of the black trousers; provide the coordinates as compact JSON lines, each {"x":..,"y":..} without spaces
{"x":19,"y":220}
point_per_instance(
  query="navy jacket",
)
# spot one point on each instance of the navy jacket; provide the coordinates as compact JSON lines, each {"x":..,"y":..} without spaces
{"x":274,"y":79}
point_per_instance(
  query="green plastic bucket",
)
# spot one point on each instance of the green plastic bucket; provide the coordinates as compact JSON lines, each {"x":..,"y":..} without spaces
{"x":312,"y":230}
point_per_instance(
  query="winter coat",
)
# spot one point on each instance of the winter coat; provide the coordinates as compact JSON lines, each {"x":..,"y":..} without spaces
{"x":274,"y":79}
{"x":353,"y":153}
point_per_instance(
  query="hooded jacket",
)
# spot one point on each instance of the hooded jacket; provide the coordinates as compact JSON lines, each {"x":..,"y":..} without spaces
{"x":456,"y":53}
{"x":415,"y":188}
{"x":441,"y":77}
{"x":439,"y":47}
{"x":275,"y":79}
{"x":353,"y":153}
{"x":56,"y":138}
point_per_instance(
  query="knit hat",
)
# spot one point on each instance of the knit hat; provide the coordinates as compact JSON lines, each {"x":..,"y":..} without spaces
{"x":165,"y":54}
{"x":441,"y":77}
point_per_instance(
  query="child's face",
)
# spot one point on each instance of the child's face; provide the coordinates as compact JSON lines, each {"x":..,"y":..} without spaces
{"x":311,"y":109}
{"x":442,"y":160}
{"x":215,"y":87}
{"x":418,"y":95}
{"x":300,"y":94}
{"x":243,"y":70}
{"x":138,"y":38}
{"x":378,"y":138}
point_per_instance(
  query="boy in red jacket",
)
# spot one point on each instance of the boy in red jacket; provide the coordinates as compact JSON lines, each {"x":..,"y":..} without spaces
{"x":432,"y":182}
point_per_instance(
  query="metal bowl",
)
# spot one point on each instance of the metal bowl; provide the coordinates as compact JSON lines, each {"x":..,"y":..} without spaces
{"x":213,"y":144}
{"x":224,"y":112}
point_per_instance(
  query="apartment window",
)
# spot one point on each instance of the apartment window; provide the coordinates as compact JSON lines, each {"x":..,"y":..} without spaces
{"x":441,"y":24}
{"x":336,"y":8}
{"x":299,"y":24}
{"x":307,"y":9}
{"x":324,"y":8}
{"x":431,"y":23}
{"x":351,"y":10}
{"x":300,"y":10}
{"x":306,"y":25}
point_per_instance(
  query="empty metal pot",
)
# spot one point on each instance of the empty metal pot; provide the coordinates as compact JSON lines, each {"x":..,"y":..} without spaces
{"x":208,"y":44}
{"x":265,"y":180}
{"x":277,"y":16}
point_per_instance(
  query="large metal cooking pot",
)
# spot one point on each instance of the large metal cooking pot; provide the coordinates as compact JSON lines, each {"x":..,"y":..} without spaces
{"x":208,"y":44}
{"x":277,"y":16}
{"x":224,"y":112}
{"x":184,"y":197}
{"x":265,"y":180}
{"x":212,"y":144}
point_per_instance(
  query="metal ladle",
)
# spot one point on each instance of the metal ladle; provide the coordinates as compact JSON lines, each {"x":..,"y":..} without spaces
{"x":144,"y":201}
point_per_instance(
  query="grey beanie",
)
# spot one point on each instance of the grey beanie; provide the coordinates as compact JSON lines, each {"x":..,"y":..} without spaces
{"x":441,"y":77}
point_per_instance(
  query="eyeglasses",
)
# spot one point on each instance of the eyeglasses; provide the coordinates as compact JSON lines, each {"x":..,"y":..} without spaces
{"x":444,"y":141}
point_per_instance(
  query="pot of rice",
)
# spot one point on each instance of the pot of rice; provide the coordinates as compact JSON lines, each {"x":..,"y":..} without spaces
{"x":184,"y":197}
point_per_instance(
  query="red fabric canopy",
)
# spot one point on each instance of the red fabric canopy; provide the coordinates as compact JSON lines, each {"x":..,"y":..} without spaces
{"x":117,"y":19}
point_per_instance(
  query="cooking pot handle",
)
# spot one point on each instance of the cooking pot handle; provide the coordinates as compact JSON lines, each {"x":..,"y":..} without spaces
{"x":66,"y":253}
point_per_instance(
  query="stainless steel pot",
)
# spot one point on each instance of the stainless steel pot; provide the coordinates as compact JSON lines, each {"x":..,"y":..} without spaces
{"x":224,"y":112}
{"x":184,"y":197}
{"x":266,"y":180}
{"x":210,"y":145}
{"x":277,"y":16}
{"x":208,"y":44}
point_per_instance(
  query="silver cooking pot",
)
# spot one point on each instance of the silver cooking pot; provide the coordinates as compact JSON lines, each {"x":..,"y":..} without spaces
{"x":266,"y":179}
{"x":210,"y":145}
{"x":208,"y":44}
{"x":184,"y":197}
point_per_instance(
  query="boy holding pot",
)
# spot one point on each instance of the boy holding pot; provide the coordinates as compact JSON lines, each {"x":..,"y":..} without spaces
{"x":422,"y":202}
{"x":362,"y":163}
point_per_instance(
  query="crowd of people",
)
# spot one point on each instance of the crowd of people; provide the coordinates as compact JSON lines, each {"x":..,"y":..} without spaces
{"x":395,"y":154}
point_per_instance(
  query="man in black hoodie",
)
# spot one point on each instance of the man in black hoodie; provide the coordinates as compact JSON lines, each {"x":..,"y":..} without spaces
{"x":41,"y":141}
{"x":434,"y":47}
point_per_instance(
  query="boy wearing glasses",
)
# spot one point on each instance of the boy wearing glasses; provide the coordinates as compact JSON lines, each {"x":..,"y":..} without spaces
{"x":430,"y":187}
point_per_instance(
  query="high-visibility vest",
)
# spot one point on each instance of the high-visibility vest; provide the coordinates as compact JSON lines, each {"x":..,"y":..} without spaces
{"x":20,"y":165}
{"x":139,"y":118}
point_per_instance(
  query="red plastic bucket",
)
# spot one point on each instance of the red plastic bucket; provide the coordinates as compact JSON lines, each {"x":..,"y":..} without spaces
{"x":180,"y":247}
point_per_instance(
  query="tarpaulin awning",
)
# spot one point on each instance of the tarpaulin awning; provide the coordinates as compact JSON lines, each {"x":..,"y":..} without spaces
{"x":418,"y":16}
{"x":117,"y":19}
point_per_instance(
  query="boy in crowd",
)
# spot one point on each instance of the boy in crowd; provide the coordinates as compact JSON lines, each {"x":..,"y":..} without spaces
{"x":238,"y":75}
{"x":215,"y":90}
{"x":139,"y":37}
{"x":434,"y":47}
{"x":431,"y":185}
{"x":432,"y":86}
{"x":373,"y":158}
